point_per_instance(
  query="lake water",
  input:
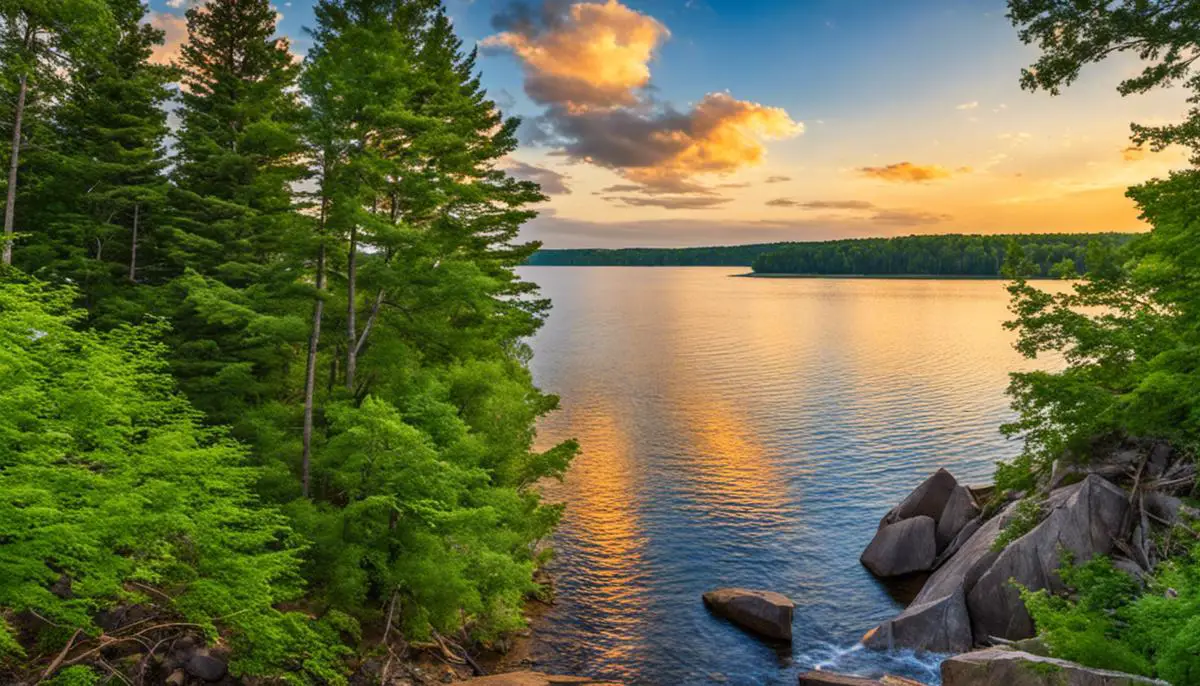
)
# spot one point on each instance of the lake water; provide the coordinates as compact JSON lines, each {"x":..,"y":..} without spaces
{"x":750,"y":432}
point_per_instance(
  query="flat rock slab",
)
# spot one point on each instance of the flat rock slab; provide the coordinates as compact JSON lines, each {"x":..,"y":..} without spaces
{"x":818,"y":678}
{"x":999,"y":667}
{"x":532,"y":679}
{"x":765,"y":613}
{"x":904,"y":547}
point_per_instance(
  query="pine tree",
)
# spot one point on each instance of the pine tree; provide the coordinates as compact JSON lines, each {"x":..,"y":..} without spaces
{"x":239,"y":239}
{"x":41,"y":44}
{"x":100,"y":194}
{"x":420,"y":481}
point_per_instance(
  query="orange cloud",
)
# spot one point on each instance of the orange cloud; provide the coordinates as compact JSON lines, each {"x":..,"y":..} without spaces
{"x":589,"y":62}
{"x":907,"y":172}
{"x":594,"y":55}
{"x":175,"y":34}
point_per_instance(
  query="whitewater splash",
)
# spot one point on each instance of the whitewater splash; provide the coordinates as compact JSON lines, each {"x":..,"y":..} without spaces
{"x":857,"y":660}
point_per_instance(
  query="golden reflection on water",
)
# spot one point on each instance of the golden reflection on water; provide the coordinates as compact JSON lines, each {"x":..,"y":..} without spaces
{"x":749,"y":431}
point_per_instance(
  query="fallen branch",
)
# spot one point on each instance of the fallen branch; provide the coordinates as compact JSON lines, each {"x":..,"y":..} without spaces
{"x":61,"y":656}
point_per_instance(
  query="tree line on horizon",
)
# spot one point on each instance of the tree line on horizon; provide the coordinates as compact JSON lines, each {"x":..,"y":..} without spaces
{"x":1058,"y":255}
{"x":266,"y":370}
{"x":934,"y":255}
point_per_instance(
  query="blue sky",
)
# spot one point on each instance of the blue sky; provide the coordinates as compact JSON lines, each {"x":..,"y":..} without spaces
{"x":687,"y":122}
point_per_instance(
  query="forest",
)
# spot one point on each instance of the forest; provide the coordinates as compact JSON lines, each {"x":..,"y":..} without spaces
{"x":938,"y":255}
{"x":715,"y":256}
{"x":1051,"y":255}
{"x":264,"y":370}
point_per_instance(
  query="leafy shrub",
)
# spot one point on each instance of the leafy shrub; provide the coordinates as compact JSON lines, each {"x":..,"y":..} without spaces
{"x":1026,"y":516}
{"x":109,"y":481}
{"x":1110,"y":622}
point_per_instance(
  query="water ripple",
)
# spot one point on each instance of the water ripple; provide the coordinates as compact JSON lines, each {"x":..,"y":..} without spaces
{"x":750,"y":432}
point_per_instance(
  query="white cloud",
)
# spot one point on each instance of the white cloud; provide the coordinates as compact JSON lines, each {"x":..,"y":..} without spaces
{"x":967,"y":105}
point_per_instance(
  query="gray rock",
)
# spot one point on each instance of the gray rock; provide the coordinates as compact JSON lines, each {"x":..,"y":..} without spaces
{"x":999,"y":667}
{"x":1163,"y":507}
{"x":941,"y":625}
{"x":763,"y":612}
{"x":930,"y":498}
{"x":1083,"y":519}
{"x":905,"y":547}
{"x":960,"y":509}
{"x":176,"y":678}
{"x":942,"y":599}
{"x":963,"y":536}
{"x":205,"y":667}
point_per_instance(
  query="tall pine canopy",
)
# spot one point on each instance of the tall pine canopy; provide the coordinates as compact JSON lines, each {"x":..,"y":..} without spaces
{"x":293,"y":332}
{"x":97,"y":194}
{"x":237,"y":240}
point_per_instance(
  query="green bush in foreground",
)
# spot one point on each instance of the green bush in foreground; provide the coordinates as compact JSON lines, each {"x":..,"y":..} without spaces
{"x":109,"y":483}
{"x":1111,"y":623}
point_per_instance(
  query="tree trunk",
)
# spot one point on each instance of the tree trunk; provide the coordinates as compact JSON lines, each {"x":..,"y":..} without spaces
{"x":14,"y":162}
{"x":351,"y":324}
{"x":133,"y":246}
{"x":310,"y":379}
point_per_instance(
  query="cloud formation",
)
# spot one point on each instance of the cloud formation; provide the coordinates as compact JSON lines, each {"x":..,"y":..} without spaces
{"x":175,"y":34}
{"x":968,"y":105}
{"x":907,"y":172}
{"x":822,"y":204}
{"x":671,"y":202}
{"x":908,"y":217}
{"x":552,"y":182}
{"x":582,"y":55}
{"x":778,"y":179}
{"x":589,"y":64}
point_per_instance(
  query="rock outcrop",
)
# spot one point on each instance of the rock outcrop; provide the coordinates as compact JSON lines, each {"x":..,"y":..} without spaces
{"x":937,"y":619}
{"x":915,"y":534}
{"x":765,"y":613}
{"x":1084,"y":520}
{"x":902,"y":548}
{"x":999,"y":667}
{"x":1112,"y":502}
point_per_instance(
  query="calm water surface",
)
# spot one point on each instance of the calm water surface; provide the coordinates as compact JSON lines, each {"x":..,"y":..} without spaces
{"x":750,"y":432}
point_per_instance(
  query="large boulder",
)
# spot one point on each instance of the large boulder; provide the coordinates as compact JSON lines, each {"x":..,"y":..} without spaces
{"x":937,"y":619}
{"x":999,"y":667}
{"x":531,"y":679}
{"x":1084,"y":519}
{"x":960,"y":509}
{"x":930,"y":498}
{"x":904,"y":547}
{"x":764,"y":612}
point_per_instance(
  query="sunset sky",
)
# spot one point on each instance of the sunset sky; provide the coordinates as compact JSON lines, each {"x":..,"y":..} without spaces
{"x":701,"y":122}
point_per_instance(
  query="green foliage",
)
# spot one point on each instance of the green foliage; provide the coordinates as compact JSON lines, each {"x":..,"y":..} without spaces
{"x":1027,"y":515}
{"x":97,"y":195}
{"x":395,"y":269}
{"x":946,"y":255}
{"x":110,"y":483}
{"x":1127,"y":331}
{"x":1110,"y":623}
{"x":76,"y":675}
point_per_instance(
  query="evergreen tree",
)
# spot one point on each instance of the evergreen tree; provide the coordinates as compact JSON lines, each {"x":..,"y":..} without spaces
{"x":421,"y":482}
{"x":100,"y":194}
{"x":238,"y":236}
{"x":41,"y":44}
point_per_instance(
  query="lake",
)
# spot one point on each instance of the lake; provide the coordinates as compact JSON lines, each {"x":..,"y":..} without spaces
{"x":750,"y":432}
